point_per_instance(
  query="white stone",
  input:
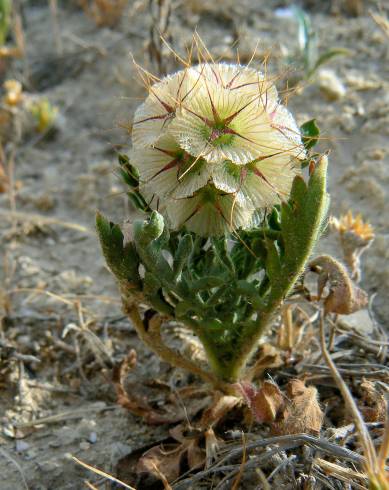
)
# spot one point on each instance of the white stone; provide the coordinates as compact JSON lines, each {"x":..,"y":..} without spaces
{"x":330,"y":84}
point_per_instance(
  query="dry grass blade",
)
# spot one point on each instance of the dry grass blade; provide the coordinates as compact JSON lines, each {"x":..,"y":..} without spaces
{"x":43,"y":220}
{"x":372,"y":466}
{"x":89,"y":485}
{"x":59,"y":417}
{"x":381,"y":21}
{"x":163,"y":478}
{"x":102,"y":473}
{"x":384,"y":449}
{"x":159,"y":32}
{"x":55,"y":25}
{"x":262,"y":477}
{"x":341,"y":472}
{"x":235,"y":485}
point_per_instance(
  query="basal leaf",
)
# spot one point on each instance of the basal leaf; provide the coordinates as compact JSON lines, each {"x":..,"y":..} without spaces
{"x":310,"y":133}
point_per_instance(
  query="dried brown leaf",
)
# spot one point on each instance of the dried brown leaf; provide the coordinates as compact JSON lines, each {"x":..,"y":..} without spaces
{"x":158,"y":459}
{"x":4,"y":181}
{"x":220,"y":407}
{"x":302,"y":412}
{"x":266,"y":403}
{"x":344,"y":296}
{"x":135,"y":396}
{"x":169,"y":459}
{"x":375,"y":405}
{"x":268,"y":357}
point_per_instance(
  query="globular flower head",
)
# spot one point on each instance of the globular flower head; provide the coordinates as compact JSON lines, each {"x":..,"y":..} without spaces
{"x":213,"y":145}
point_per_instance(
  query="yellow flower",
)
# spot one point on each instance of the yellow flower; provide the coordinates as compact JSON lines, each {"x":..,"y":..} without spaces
{"x":347,"y":223}
{"x":13,"y":92}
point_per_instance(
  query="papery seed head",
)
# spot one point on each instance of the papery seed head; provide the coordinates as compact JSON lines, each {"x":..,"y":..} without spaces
{"x":213,"y":146}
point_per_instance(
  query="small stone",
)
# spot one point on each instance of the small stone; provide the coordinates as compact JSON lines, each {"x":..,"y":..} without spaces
{"x":378,"y":154}
{"x":330,"y":85}
{"x":84,"y":446}
{"x":21,"y":446}
{"x":358,"y":82}
{"x":92,"y":437}
{"x":359,"y":321}
{"x":347,"y":122}
{"x":49,"y":466}
{"x":119,"y":450}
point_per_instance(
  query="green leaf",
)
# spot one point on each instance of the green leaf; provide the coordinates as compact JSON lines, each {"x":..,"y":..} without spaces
{"x":310,"y":133}
{"x":304,"y":27}
{"x":151,"y":284}
{"x":302,"y":222}
{"x":123,"y":159}
{"x":184,"y":249}
{"x":308,"y":43}
{"x":139,"y":201}
{"x":328,"y":56}
{"x":182,"y":308}
{"x":216,"y":297}
{"x":273,"y":263}
{"x":249,"y":290}
{"x":221,"y":251}
{"x":5,"y":19}
{"x":159,"y":303}
{"x":122,"y":259}
{"x":128,"y":172}
{"x":149,"y":238}
{"x":145,"y":231}
{"x":207,"y":282}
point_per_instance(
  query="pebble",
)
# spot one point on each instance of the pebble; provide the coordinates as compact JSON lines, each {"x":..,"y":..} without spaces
{"x":347,"y":122}
{"x":92,"y":437}
{"x":358,"y":82}
{"x":360,"y":321}
{"x":21,"y":446}
{"x":50,"y":467}
{"x":330,"y":84}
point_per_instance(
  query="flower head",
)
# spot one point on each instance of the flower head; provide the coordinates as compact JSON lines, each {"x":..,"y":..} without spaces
{"x":356,"y":236}
{"x":214,"y":145}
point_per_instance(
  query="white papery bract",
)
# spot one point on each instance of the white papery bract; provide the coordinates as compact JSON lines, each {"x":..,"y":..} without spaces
{"x":213,"y":146}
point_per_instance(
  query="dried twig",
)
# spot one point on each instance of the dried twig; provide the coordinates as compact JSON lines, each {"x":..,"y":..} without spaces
{"x":55,"y":25}
{"x":159,"y":33}
{"x":373,"y":465}
{"x":102,"y":473}
{"x":43,"y":220}
{"x":283,"y":443}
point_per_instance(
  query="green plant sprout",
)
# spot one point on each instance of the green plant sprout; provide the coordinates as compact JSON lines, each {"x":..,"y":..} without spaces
{"x":44,"y":114}
{"x":308,"y":50}
{"x":230,"y":220}
{"x":5,"y":19}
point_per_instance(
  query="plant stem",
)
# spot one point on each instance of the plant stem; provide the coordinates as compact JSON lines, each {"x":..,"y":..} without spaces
{"x":152,"y":338}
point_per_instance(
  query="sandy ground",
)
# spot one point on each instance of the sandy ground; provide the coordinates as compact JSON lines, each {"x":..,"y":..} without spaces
{"x":70,"y":175}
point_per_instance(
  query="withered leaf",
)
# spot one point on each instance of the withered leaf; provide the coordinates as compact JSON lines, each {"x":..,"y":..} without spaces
{"x":169,"y":460}
{"x":375,"y":404}
{"x":302,"y":412}
{"x":265,"y":403}
{"x":219,"y":408}
{"x":344,"y":297}
{"x":136,"y":396}
{"x":166,"y":459}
